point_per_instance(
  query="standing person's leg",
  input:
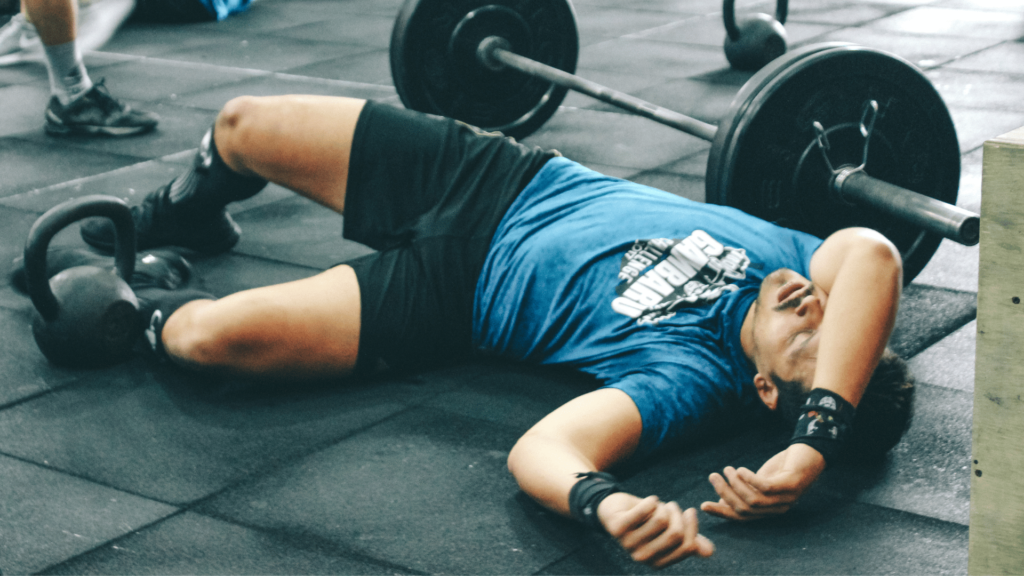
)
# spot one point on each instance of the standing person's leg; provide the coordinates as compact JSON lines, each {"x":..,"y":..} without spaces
{"x":56,"y":23}
{"x":77,"y":106}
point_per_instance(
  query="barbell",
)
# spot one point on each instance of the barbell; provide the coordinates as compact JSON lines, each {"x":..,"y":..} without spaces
{"x":825,"y":137}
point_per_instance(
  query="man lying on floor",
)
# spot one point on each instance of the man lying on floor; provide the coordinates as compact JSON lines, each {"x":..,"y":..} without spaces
{"x":694,"y":317}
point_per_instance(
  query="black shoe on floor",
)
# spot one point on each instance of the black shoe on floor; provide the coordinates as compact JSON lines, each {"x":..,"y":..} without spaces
{"x":156,"y":225}
{"x":97,"y":113}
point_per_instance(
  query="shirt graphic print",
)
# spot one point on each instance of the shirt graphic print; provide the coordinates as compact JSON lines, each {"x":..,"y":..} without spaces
{"x":659,"y":276}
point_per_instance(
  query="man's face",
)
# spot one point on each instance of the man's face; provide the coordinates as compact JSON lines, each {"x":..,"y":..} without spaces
{"x":786,"y":318}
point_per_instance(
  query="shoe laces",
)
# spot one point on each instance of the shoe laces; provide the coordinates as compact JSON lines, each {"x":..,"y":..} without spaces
{"x":102,"y":98}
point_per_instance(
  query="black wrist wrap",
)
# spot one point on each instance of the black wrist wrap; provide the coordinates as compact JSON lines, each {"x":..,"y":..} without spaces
{"x":588,"y":493}
{"x":826,"y":420}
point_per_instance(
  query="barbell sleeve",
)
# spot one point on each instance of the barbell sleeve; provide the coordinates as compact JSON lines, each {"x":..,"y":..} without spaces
{"x":927,"y":213}
{"x":492,"y":53}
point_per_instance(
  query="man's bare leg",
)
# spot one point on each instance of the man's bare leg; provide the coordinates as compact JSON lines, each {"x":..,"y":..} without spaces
{"x":303,"y":329}
{"x":300,"y":142}
{"x":54,"y":19}
{"x":306,"y":328}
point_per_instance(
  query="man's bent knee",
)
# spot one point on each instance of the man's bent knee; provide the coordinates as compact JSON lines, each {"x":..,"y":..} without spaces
{"x":233,"y":128}
{"x":188,"y":341}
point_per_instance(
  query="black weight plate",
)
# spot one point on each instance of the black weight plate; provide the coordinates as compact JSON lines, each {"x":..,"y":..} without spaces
{"x":738,"y":109}
{"x":766,"y":163}
{"x":435,"y":70}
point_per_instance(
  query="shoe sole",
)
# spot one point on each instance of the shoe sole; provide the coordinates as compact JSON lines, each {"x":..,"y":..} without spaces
{"x":85,"y":130}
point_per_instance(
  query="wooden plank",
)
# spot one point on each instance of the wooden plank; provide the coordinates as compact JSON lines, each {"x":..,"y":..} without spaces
{"x":997,"y":474}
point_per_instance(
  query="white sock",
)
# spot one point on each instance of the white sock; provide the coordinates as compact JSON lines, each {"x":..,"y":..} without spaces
{"x":68,"y":77}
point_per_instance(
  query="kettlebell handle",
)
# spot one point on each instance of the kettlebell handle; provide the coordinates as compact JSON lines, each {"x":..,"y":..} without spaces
{"x":59,"y":217}
{"x":729,"y":16}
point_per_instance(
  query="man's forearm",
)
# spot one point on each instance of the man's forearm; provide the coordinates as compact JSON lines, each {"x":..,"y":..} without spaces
{"x":862,"y":304}
{"x":590,"y":433}
{"x":546,"y":470}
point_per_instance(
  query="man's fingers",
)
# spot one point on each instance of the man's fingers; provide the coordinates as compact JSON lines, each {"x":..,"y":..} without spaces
{"x":762,"y":484}
{"x":702,"y":547}
{"x":671,"y":537}
{"x":705,"y":547}
{"x":723,"y":510}
{"x":751,"y":495}
{"x":747,"y":501}
{"x":779,"y":484}
{"x":634,"y":517}
{"x":650,"y":529}
{"x":727,"y":494}
{"x":691,"y":544}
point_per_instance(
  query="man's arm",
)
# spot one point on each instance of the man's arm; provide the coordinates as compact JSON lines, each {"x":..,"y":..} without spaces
{"x":592,"y":433}
{"x":862,"y":273}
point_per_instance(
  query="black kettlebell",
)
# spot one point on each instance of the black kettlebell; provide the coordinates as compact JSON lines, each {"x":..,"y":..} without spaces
{"x":757,"y":40}
{"x":87,"y":316}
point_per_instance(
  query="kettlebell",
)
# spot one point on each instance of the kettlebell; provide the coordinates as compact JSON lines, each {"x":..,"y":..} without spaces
{"x":86,"y":316}
{"x":757,"y":40}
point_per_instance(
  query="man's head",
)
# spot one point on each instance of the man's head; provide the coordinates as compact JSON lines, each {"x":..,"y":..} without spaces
{"x":781,"y":331}
{"x":782,"y":342}
{"x":883,"y":414}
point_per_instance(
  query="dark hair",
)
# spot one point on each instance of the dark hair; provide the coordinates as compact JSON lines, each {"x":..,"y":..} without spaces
{"x":883,"y":414}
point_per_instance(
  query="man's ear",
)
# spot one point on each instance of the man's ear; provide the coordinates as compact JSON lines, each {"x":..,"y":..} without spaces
{"x":767,"y":390}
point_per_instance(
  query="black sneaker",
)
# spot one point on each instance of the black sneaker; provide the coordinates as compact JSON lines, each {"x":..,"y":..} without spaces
{"x":157,"y":225}
{"x":97,"y":112}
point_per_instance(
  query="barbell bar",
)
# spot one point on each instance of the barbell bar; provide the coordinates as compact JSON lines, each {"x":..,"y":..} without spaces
{"x":851,"y":184}
{"x":494,"y":53}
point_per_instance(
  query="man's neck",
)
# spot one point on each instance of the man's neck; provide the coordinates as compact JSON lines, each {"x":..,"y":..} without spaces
{"x":747,"y":332}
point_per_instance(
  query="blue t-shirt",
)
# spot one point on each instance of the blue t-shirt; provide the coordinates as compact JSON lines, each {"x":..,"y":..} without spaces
{"x":640,"y":288}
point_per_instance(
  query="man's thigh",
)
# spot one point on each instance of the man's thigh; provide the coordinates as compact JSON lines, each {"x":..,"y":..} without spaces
{"x":300,"y":329}
{"x":413,"y":175}
{"x":300,"y":142}
{"x":417,"y":302}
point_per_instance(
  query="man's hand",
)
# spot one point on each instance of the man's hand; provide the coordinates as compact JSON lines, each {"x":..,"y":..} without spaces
{"x":653,"y":532}
{"x":773,"y":490}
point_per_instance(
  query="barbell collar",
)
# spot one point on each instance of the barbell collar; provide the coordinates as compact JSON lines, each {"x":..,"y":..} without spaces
{"x":946,"y":220}
{"x":493,"y":54}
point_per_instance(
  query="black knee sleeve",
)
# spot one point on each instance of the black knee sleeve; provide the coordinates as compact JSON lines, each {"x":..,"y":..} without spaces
{"x":209,"y":184}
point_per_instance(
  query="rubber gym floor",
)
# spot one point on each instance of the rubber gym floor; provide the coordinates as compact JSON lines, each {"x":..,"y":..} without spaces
{"x":143,"y":469}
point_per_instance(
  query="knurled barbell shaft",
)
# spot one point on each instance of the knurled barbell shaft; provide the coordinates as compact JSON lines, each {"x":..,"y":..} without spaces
{"x":922,"y":211}
{"x":493,"y":52}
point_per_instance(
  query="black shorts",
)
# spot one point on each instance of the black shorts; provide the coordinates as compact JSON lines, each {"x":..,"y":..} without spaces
{"x":428,"y":194}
